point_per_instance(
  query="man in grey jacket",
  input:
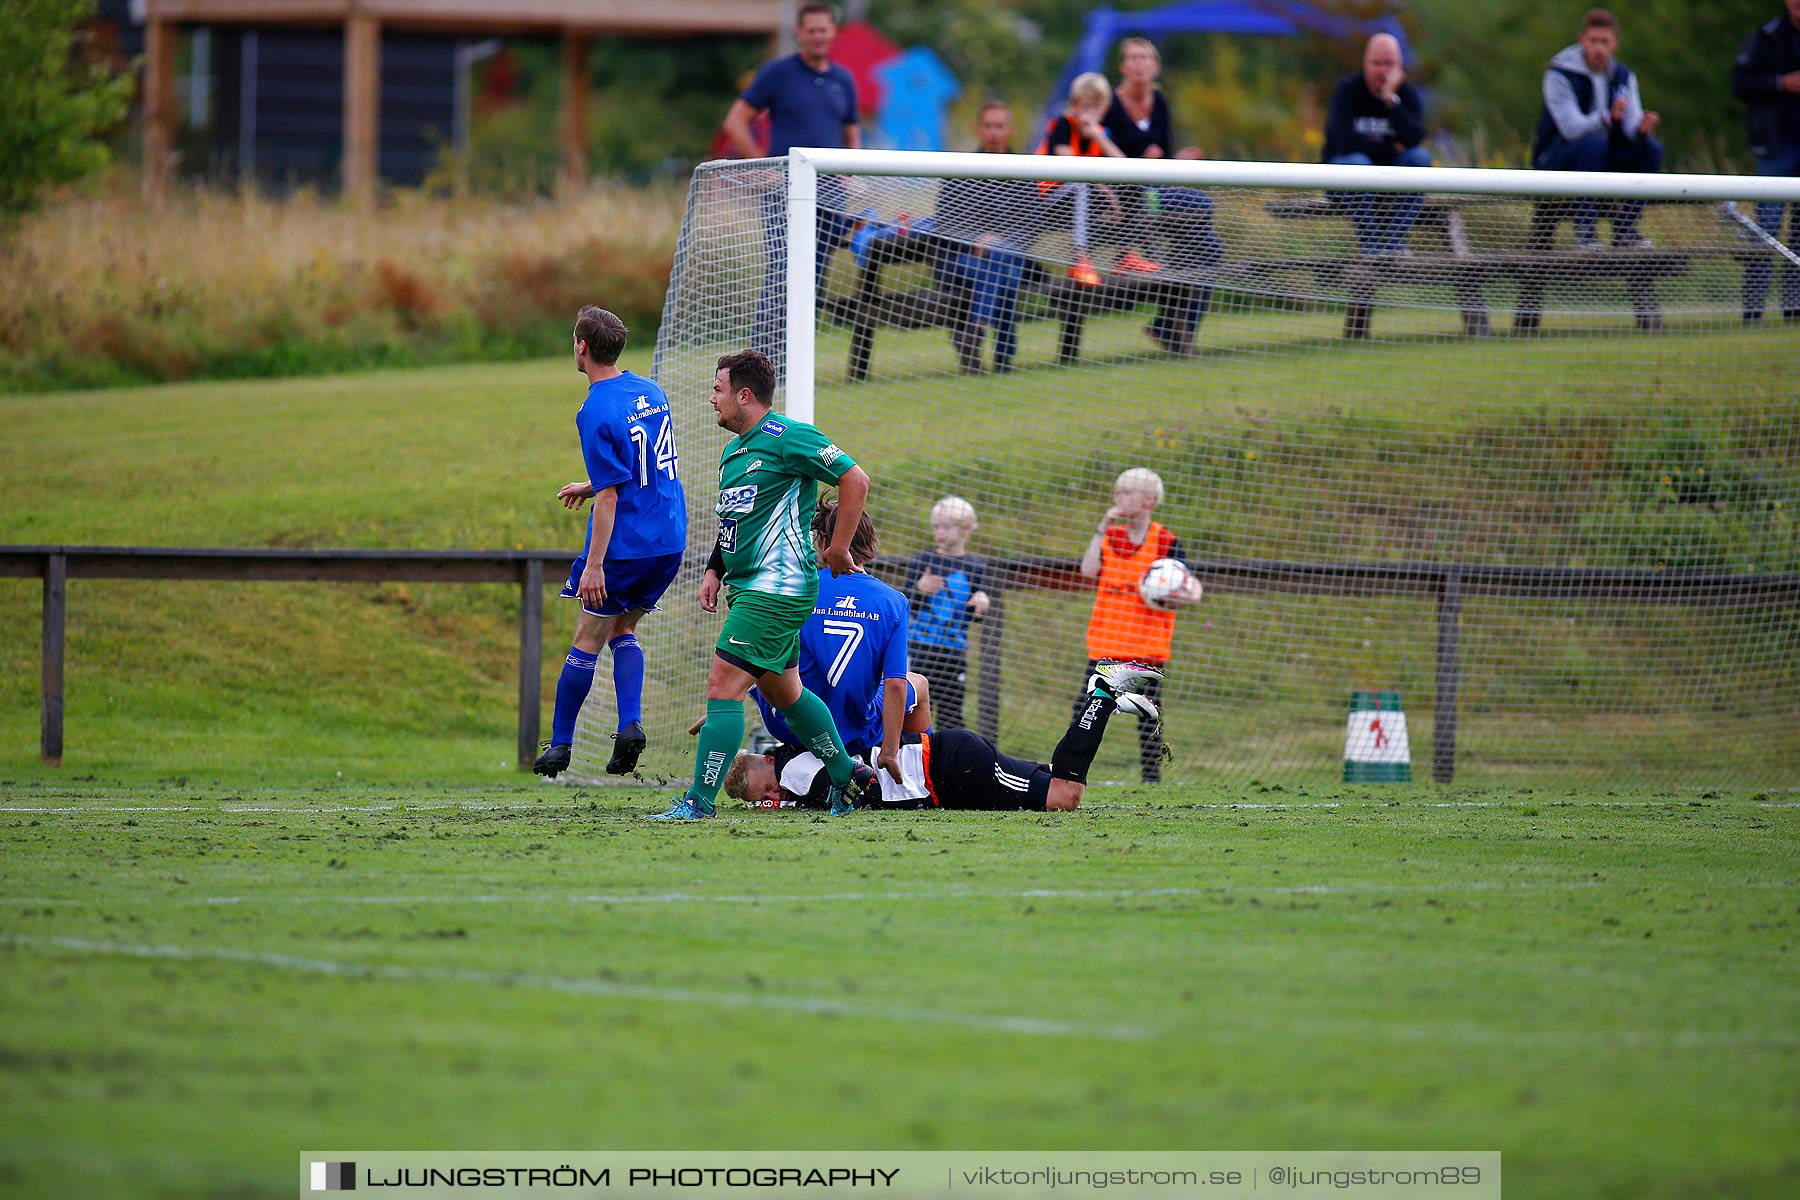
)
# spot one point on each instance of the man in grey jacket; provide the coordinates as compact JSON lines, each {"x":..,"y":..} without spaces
{"x":1593,"y":120}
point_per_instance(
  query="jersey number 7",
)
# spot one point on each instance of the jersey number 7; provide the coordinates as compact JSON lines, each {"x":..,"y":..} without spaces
{"x":852,"y":633}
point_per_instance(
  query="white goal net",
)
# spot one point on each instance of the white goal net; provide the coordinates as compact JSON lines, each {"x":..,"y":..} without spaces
{"x":1507,"y":464}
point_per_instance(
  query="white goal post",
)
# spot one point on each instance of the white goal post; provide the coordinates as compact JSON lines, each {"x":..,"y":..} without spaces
{"x":1516,"y":453}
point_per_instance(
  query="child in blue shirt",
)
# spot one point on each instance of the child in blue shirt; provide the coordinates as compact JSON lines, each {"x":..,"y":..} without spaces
{"x":948,"y":590}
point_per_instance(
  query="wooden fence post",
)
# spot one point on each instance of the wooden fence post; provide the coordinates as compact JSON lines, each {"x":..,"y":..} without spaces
{"x":1443,"y":726}
{"x":531,"y":659}
{"x":993,"y":633}
{"x":50,"y":725}
{"x":160,"y":49}
{"x":572,"y":173}
{"x":362,"y":105}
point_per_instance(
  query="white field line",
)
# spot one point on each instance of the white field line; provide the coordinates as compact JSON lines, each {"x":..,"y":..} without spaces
{"x":688,"y":997}
{"x":917,"y":895}
{"x":541,"y":806}
{"x":1372,"y":1031}
{"x":1251,"y":1028}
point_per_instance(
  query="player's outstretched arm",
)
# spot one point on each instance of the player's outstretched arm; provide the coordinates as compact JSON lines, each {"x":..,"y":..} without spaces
{"x":853,"y":495}
{"x":574,"y":495}
{"x":893,"y":717}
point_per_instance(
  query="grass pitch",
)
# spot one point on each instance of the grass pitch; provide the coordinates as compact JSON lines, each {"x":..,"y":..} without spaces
{"x":199,"y":982}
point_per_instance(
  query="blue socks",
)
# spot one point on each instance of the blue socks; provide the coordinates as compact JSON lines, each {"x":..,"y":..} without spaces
{"x":571,"y":689}
{"x":628,"y":677}
{"x":578,"y":678}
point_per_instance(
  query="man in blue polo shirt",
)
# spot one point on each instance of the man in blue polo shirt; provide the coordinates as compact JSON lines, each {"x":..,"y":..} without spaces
{"x":811,"y":101}
{"x":635,"y":536}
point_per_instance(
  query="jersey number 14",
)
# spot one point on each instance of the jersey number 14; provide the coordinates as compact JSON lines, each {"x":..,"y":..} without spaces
{"x":664,"y":447}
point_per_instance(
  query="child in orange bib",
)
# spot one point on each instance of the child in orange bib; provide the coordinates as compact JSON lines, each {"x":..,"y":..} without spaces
{"x":1122,"y":626}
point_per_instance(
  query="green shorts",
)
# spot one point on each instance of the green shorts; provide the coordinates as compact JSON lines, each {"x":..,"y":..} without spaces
{"x":762,"y":632}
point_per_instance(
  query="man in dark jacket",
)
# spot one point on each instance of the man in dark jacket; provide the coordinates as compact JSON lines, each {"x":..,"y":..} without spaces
{"x":1767,"y":78}
{"x":1593,"y":120}
{"x":1377,"y":119}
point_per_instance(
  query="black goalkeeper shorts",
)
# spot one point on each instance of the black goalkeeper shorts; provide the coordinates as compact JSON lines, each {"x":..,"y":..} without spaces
{"x":968,"y":772}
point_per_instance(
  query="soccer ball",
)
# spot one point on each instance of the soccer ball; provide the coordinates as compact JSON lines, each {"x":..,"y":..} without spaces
{"x":1164,"y":578}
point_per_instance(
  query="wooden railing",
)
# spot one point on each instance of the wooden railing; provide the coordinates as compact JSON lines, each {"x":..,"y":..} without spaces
{"x":56,"y":565}
{"x":1447,"y":583}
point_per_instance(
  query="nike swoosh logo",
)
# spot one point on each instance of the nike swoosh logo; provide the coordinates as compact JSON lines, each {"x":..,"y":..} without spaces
{"x":735,"y":642}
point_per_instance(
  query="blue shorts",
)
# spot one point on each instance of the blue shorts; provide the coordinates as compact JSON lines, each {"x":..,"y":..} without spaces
{"x":631,"y":583}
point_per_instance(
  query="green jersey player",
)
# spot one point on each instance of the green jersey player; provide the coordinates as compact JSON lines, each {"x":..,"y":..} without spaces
{"x":769,"y":476}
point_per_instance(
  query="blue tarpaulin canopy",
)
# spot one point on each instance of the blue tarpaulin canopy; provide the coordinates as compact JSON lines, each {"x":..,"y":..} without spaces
{"x":1272,"y":18}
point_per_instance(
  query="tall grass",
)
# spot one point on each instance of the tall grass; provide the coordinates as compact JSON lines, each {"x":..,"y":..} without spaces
{"x":104,"y":289}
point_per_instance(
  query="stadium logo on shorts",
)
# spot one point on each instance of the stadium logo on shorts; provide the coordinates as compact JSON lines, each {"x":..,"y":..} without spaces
{"x":334,"y":1177}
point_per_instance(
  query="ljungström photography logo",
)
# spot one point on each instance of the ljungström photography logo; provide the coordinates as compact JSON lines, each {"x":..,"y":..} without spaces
{"x":334,"y":1177}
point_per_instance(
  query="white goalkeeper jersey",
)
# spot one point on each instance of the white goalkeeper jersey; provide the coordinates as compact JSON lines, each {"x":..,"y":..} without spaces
{"x":804,"y":775}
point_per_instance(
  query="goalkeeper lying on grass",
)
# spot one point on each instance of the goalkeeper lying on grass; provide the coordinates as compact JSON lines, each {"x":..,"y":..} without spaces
{"x":956,"y":768}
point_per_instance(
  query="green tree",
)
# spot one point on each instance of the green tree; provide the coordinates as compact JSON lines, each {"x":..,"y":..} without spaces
{"x":59,"y":103}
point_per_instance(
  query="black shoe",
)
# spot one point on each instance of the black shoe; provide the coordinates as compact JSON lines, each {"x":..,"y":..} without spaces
{"x":868,"y":783}
{"x":628,"y":743}
{"x":553,"y":761}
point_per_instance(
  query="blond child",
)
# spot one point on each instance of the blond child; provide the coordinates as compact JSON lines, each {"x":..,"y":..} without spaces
{"x":1079,"y":131}
{"x":948,"y":589}
{"x":1122,"y":626}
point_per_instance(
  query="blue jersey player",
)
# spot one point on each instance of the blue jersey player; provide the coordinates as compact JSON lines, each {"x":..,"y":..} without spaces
{"x":853,"y":651}
{"x":636,"y":534}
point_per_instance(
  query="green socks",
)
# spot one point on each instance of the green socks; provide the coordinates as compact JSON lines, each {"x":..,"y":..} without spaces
{"x":720,"y":738}
{"x":811,"y":721}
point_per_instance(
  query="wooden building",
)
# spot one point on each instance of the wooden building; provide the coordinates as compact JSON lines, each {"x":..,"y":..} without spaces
{"x":384,"y":72}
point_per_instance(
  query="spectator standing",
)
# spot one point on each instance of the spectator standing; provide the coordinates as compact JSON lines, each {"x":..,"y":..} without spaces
{"x":995,"y":218}
{"x":948,"y":589}
{"x":1138,"y":118}
{"x":1593,"y":120}
{"x":1122,"y":626}
{"x":1767,"y":79}
{"x":1377,"y":119}
{"x":811,"y":101}
{"x":1139,"y":122}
